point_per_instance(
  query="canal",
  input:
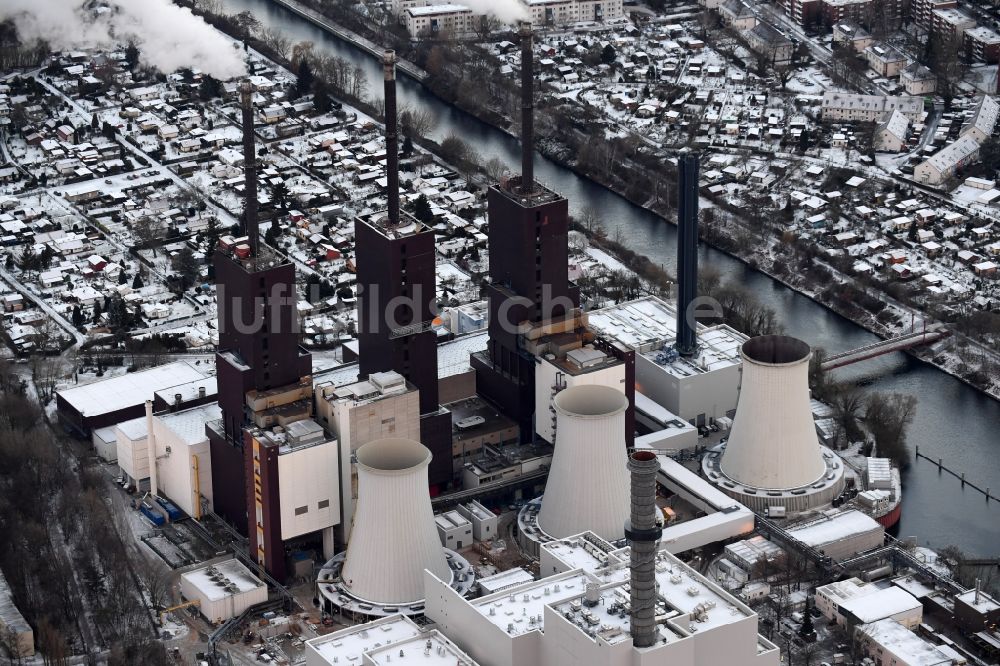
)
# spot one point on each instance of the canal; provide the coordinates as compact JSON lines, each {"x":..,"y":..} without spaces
{"x":953,"y":421}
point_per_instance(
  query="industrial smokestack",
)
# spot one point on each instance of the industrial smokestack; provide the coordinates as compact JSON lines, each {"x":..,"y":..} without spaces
{"x":773,"y":443}
{"x":394,"y":536}
{"x":643,"y":534}
{"x":250,"y":223}
{"x":151,"y":450}
{"x":391,"y":137}
{"x":687,"y":251}
{"x":527,"y":110}
{"x":587,"y":487}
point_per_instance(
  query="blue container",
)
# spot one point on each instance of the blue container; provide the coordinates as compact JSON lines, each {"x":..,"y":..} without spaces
{"x":154,"y":516}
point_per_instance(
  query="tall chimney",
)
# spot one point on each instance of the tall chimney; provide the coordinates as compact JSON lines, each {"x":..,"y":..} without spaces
{"x":979,"y":591}
{"x":527,"y":110}
{"x":687,"y":251}
{"x":250,"y":222}
{"x":150,"y":450}
{"x":643,"y":534}
{"x":391,"y":137}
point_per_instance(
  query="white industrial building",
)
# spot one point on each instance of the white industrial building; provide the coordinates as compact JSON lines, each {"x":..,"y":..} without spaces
{"x":484,"y":522}
{"x":223,"y":590}
{"x":297,"y":488}
{"x":385,"y":641}
{"x":583,"y":366}
{"x":890,"y":643}
{"x":132,"y":452}
{"x":854,"y":603}
{"x":772,"y":459}
{"x":840,"y":534}
{"x":454,"y":530}
{"x":105,"y":444}
{"x":667,"y":430}
{"x":699,"y":389}
{"x":751,"y":554}
{"x":181,"y":468}
{"x":578,"y":615}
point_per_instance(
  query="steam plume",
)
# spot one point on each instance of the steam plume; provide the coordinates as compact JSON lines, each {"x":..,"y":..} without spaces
{"x":169,"y":37}
{"x":507,"y":11}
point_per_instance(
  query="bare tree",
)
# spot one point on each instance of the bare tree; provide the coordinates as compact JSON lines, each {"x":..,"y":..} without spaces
{"x":417,"y":122}
{"x":276,"y":40}
{"x":495,"y":168}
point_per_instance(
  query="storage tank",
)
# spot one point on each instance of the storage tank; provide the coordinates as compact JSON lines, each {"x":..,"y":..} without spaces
{"x":588,"y":485}
{"x":394,"y":537}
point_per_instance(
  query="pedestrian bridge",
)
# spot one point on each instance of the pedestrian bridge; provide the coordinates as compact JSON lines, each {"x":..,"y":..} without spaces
{"x":925,"y":336}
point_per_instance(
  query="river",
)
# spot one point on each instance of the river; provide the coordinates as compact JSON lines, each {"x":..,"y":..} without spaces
{"x":953,"y":421}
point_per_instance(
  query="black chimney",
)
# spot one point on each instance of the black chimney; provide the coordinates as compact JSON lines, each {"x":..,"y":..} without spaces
{"x":391,"y":138}
{"x":527,"y":110}
{"x":687,"y":251}
{"x":250,"y":223}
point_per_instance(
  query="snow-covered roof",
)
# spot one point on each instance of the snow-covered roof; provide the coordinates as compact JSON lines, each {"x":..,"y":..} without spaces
{"x":879,"y":605}
{"x":128,"y":390}
{"x":906,"y":646}
{"x":829,"y":529}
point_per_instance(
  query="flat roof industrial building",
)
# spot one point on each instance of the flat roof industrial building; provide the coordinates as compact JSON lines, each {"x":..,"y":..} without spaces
{"x":110,"y":401}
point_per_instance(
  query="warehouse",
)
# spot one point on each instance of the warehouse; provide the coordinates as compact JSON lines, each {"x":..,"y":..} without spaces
{"x":223,"y":590}
{"x":840,"y":534}
{"x":110,"y":401}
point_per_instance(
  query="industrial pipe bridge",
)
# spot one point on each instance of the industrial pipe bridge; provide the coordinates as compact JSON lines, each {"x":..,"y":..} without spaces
{"x":926,"y":336}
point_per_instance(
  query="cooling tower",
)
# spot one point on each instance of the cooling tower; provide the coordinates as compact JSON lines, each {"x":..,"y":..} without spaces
{"x":773,"y":443}
{"x":588,"y":486}
{"x":394,"y":537}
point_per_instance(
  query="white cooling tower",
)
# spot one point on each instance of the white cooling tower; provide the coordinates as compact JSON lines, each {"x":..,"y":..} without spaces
{"x":773,"y":443}
{"x":394,"y":537}
{"x":588,"y":485}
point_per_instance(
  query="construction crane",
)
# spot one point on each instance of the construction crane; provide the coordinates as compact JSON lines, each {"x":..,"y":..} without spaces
{"x":171,"y":609}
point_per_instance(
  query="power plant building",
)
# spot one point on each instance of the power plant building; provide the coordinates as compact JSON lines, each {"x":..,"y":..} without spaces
{"x":105,"y":403}
{"x":395,"y":256}
{"x":578,"y":615}
{"x":378,"y":642}
{"x":700,"y":388}
{"x":296,"y":501}
{"x":539,"y":340}
{"x":223,"y":590}
{"x":180,"y":458}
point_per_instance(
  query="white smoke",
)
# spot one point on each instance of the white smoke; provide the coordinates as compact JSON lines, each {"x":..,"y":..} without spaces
{"x":169,"y":37}
{"x":507,"y":11}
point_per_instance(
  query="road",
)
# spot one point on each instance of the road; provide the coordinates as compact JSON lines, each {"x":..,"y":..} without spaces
{"x":78,"y":337}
